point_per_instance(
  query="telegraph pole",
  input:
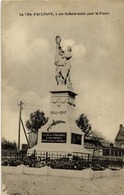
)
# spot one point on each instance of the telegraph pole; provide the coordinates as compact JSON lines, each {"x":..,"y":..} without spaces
{"x":20,"y":111}
{"x":25,"y":133}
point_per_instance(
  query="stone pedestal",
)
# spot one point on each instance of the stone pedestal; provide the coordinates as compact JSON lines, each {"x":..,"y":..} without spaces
{"x":61,"y":134}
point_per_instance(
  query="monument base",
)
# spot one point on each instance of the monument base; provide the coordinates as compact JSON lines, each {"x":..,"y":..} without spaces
{"x":59,"y":149}
{"x":60,"y":138}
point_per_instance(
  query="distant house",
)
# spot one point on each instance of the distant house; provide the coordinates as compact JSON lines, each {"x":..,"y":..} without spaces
{"x":93,"y":145}
{"x":101,"y":147}
{"x":113,"y":151}
{"x":119,"y":140}
{"x":24,"y":147}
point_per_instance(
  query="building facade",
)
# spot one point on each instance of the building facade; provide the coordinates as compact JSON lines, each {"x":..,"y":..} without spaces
{"x":119,"y":140}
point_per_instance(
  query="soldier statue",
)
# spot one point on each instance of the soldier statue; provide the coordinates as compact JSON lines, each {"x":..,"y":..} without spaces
{"x":62,"y":62}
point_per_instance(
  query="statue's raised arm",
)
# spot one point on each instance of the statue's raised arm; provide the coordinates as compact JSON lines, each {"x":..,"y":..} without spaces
{"x":62,"y":62}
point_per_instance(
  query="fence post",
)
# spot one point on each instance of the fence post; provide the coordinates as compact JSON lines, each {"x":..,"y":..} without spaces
{"x":34,"y":157}
{"x":122,"y":163}
{"x":46,"y":157}
{"x":88,"y":160}
{"x":22,"y":156}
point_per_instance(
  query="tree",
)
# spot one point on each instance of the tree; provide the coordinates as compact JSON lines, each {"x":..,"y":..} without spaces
{"x":8,"y":145}
{"x":83,"y":123}
{"x":36,"y":120}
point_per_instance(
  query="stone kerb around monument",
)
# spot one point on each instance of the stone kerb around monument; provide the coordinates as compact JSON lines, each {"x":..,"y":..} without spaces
{"x":47,"y":171}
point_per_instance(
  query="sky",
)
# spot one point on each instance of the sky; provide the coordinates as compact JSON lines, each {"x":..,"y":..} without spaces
{"x":28,"y":53}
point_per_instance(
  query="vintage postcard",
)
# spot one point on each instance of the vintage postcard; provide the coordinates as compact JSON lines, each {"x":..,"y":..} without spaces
{"x":62,"y":107}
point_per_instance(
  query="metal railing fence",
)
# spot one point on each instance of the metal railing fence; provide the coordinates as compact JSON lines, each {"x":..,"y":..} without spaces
{"x":61,"y":160}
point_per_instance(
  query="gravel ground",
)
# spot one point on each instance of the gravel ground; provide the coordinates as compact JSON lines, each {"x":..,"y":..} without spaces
{"x":48,"y":185}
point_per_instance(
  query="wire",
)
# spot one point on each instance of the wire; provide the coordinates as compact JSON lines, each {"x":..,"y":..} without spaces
{"x":36,"y":105}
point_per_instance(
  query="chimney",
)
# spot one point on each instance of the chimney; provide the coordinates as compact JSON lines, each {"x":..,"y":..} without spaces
{"x":121,"y":126}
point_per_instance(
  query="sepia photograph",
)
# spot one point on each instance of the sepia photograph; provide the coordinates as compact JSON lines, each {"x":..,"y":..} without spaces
{"x":62,"y":97}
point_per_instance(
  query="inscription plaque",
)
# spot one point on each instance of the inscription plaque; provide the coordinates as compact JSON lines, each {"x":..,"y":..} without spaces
{"x":54,"y":137}
{"x":76,"y":139}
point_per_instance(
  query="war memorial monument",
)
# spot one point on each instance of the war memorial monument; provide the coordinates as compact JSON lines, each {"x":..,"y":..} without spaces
{"x":61,"y":135}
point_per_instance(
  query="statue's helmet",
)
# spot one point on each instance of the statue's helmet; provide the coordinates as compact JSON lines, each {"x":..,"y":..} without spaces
{"x":58,"y":39}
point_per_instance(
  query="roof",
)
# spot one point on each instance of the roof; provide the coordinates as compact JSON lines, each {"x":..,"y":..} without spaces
{"x":105,"y":143}
{"x":101,"y":142}
{"x":120,"y":134}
